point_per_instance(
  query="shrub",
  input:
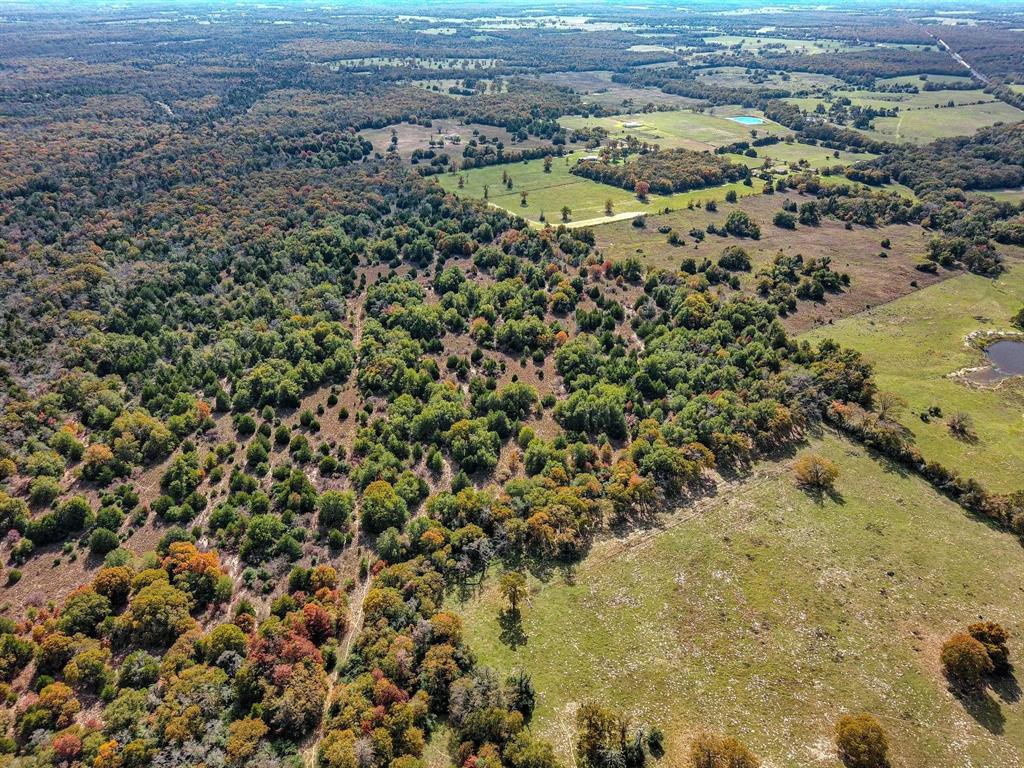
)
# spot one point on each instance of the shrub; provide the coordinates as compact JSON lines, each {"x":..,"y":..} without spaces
{"x":993,"y":637}
{"x":861,"y":742}
{"x":138,"y":670}
{"x":83,"y":611}
{"x":739,"y":224}
{"x":102,"y":541}
{"x":735,"y":259}
{"x":114,"y":583}
{"x":815,"y":472}
{"x":336,"y":508}
{"x":712,"y":751}
{"x":965,"y":661}
{"x":222,"y":639}
{"x":383,"y":508}
{"x":784,"y":220}
{"x":43,"y":490}
{"x":158,"y":614}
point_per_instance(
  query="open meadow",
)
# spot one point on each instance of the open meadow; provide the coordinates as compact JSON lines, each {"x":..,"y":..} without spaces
{"x":877,"y":274}
{"x":916,"y":342}
{"x":766,"y":613}
{"x":548,"y":192}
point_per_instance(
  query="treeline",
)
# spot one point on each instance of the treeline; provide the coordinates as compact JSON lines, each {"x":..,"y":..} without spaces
{"x":664,"y":172}
{"x":993,"y":158}
{"x":860,"y":66}
{"x":479,"y":157}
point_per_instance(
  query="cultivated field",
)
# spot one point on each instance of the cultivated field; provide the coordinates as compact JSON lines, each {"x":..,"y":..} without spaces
{"x":765,"y":613}
{"x":917,"y":341}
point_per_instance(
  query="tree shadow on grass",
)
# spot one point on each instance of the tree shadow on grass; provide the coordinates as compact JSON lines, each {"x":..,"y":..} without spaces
{"x":984,"y":709}
{"x":818,"y":495}
{"x":1006,"y":687}
{"x":512,"y":633}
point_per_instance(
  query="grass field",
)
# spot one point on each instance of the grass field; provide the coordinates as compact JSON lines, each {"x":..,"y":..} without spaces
{"x":916,"y":80}
{"x":788,"y":44}
{"x":924,"y":125}
{"x":548,"y":192}
{"x":412,"y":137}
{"x":855,"y":251}
{"x":916,"y":341}
{"x":692,"y":130}
{"x":596,"y":87}
{"x":737,"y":77}
{"x":792,"y":154}
{"x":920,"y":119}
{"x":766,"y":614}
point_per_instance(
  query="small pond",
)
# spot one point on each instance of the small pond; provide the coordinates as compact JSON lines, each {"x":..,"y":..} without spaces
{"x":747,"y":120}
{"x":1006,"y":356}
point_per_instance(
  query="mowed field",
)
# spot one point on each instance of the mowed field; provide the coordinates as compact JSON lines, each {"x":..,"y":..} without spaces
{"x":548,"y":192}
{"x":596,"y":87}
{"x":926,"y":115}
{"x":916,"y":342}
{"x":874,"y":279}
{"x":765,"y":613}
{"x":682,"y":128}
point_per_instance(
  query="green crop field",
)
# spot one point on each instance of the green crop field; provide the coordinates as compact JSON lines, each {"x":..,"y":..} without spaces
{"x":767,"y":614}
{"x":915,"y":343}
{"x":547,"y":193}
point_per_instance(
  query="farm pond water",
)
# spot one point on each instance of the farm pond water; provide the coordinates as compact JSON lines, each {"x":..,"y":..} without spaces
{"x":747,"y":120}
{"x":1006,"y":356}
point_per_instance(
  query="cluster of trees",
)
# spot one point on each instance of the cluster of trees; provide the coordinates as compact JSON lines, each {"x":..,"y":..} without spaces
{"x":993,"y":158}
{"x":970,"y":657}
{"x":789,"y":278}
{"x":664,"y":172}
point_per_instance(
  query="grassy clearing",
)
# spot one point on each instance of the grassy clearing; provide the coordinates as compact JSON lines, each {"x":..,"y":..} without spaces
{"x":874,"y":280}
{"x":767,"y":614}
{"x":917,"y":81}
{"x":777,"y":44}
{"x":792,"y":154}
{"x":737,"y":77}
{"x":412,"y":137}
{"x":548,"y":192}
{"x":1010,"y":195}
{"x":925,"y":116}
{"x":916,"y":341}
{"x":924,"y":125}
{"x":692,"y":130}
{"x":596,"y":87}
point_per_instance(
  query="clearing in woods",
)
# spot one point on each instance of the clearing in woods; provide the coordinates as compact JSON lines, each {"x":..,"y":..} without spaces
{"x":766,"y":613}
{"x":548,"y":192}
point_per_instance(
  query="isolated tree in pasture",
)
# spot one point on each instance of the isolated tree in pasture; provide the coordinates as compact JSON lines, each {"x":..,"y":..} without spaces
{"x":815,"y":471}
{"x":965,"y":662}
{"x":513,"y":588}
{"x":861,"y":742}
{"x":710,"y":750}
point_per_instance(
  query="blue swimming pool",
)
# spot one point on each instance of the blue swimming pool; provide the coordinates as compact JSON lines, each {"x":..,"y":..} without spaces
{"x":747,"y":120}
